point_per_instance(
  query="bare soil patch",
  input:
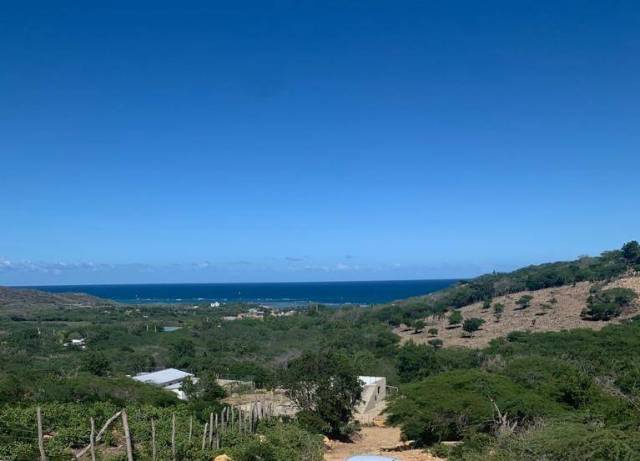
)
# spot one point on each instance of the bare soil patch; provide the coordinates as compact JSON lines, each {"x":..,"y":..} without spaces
{"x":542,"y":315}
{"x":377,"y":441}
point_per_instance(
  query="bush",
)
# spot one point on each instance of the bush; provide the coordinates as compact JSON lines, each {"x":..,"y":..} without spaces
{"x":524,"y":301}
{"x":433,"y":332}
{"x":607,"y":304}
{"x":449,"y":405}
{"x":417,"y":361}
{"x":555,"y":379}
{"x":564,"y":441}
{"x":455,"y":318}
{"x":498,"y":310}
{"x":279,"y":442}
{"x":472,"y":325}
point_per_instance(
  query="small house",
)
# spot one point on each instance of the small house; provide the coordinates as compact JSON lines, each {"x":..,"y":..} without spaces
{"x":170,"y":379}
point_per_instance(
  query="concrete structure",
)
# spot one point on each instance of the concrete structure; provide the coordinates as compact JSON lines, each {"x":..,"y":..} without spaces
{"x":170,"y":379}
{"x":81,"y":343}
{"x":374,"y":391}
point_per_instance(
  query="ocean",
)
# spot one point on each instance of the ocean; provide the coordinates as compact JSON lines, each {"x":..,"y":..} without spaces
{"x":274,"y":294}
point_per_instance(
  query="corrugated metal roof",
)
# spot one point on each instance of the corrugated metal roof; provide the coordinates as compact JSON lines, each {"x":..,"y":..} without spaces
{"x":162,"y":377}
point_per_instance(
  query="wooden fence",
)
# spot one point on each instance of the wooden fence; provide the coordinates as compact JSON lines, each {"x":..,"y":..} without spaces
{"x":239,"y":420}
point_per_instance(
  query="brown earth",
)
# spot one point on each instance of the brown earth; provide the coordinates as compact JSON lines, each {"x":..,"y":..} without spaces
{"x":383,"y":441}
{"x":542,"y":315}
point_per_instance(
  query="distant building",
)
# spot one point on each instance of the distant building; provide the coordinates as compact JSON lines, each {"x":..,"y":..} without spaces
{"x":252,"y":314}
{"x":216,"y":304}
{"x":374,"y":391}
{"x":79,"y":342}
{"x":170,"y":379}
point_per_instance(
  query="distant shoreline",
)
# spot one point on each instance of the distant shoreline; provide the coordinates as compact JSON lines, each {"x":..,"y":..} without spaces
{"x":283,"y":294}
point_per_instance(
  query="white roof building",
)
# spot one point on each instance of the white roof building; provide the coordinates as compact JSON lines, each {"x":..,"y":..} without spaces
{"x":170,"y":379}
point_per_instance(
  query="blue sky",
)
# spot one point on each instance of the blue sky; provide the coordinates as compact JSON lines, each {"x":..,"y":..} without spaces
{"x":267,"y":141}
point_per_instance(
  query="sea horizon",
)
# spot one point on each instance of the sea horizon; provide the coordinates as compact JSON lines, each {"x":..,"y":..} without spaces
{"x":277,"y":294}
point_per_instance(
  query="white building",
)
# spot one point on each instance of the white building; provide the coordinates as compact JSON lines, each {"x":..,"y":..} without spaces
{"x":170,"y":379}
{"x":80,"y":342}
{"x":374,"y":391}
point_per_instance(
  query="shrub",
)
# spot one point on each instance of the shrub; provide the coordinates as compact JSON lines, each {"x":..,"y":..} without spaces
{"x":498,"y":310}
{"x":556,"y":379}
{"x":96,"y":363}
{"x":436,"y":343}
{"x":524,"y":301}
{"x":449,"y":405}
{"x":416,"y":361}
{"x":455,"y":318}
{"x":418,"y":326}
{"x":564,"y":441}
{"x":279,"y":441}
{"x":606,"y":304}
{"x":472,"y":325}
{"x":433,"y":332}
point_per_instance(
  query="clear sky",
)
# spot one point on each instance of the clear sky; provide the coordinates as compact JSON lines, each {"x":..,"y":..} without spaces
{"x":330,"y":140}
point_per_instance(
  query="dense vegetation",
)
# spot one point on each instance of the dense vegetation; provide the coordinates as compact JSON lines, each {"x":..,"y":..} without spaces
{"x":569,"y":395}
{"x":508,"y":400}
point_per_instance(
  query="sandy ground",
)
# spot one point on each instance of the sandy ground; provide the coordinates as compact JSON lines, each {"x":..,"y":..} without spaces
{"x":564,"y":315}
{"x":376,"y":441}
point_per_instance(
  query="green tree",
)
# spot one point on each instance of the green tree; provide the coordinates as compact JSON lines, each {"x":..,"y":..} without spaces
{"x":498,"y":310}
{"x":472,"y":325}
{"x":205,"y":389}
{"x":486,"y":304}
{"x":631,"y":251}
{"x":182,"y":352}
{"x":455,"y":318}
{"x":96,"y":363}
{"x":606,"y":304}
{"x":326,"y":388}
{"x":433,"y":332}
{"x":418,"y":326}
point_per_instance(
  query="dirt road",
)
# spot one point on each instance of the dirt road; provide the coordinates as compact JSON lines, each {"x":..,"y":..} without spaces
{"x":376,"y":441}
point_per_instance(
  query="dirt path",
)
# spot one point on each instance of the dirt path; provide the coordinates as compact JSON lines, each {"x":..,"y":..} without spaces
{"x":376,"y":441}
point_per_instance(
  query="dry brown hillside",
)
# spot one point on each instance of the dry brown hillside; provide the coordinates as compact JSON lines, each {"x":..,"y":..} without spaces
{"x":543,"y":315}
{"x":19,"y":299}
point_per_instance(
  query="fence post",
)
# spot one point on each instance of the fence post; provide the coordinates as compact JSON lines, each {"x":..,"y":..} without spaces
{"x":92,"y":439}
{"x":153,"y":439}
{"x":127,"y":435}
{"x":210,"y":430}
{"x":173,"y":437}
{"x":43,"y":455}
{"x":204,"y":435}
